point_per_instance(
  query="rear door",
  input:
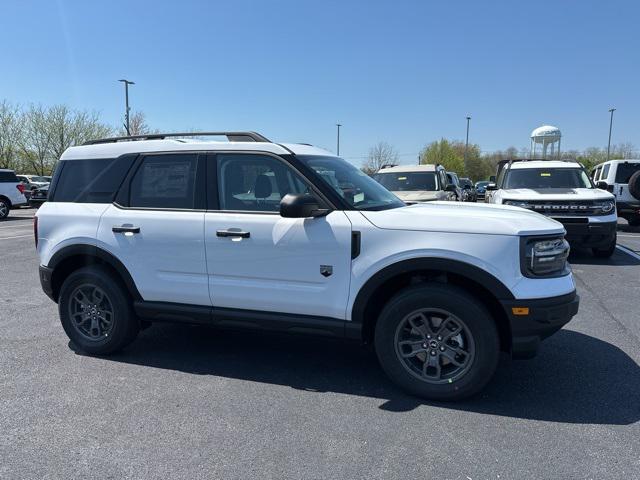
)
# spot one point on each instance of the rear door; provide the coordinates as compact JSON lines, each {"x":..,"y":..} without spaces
{"x":258,"y":260}
{"x":155,"y":228}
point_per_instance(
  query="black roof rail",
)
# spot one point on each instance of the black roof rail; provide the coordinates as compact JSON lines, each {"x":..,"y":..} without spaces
{"x":231,"y":136}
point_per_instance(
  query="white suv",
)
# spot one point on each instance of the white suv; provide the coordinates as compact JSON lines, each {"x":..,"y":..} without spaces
{"x":11,"y":192}
{"x":563,"y":191}
{"x":252,"y":234}
{"x":622,"y":178}
{"x":417,"y":183}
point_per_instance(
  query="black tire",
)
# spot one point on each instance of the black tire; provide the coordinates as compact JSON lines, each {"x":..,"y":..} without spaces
{"x":5,"y":206}
{"x":606,"y":252}
{"x":634,"y":221}
{"x":123,"y":326}
{"x":464,"y":308}
{"x":634,"y":185}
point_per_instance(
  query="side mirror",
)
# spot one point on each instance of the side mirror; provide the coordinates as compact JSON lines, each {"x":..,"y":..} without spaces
{"x":491,"y":186}
{"x":492,"y":179}
{"x":300,"y":206}
{"x":450,"y":188}
{"x":602,"y":185}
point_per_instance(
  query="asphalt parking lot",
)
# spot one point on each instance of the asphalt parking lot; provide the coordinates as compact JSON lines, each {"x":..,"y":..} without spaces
{"x":193,"y":402}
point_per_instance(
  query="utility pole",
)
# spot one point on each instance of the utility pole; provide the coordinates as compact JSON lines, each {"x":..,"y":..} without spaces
{"x":611,"y":110}
{"x":466,"y":147}
{"x":338,"y":147}
{"x":126,"y":101}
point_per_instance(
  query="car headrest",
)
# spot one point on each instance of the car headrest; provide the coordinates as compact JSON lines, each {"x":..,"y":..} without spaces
{"x":263,"y":187}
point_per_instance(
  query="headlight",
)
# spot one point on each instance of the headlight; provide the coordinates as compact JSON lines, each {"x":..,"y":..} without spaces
{"x":516,"y":203}
{"x":544,"y":256}
{"x":605,"y":207}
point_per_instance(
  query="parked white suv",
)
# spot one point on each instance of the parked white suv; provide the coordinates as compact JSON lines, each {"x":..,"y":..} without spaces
{"x":417,"y":183}
{"x":563,"y":191}
{"x":252,"y":234}
{"x":11,"y":192}
{"x":622,"y":178}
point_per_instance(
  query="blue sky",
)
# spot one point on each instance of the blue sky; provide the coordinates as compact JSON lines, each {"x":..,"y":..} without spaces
{"x":404,"y":72}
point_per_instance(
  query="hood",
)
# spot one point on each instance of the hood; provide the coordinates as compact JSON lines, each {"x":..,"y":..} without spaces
{"x":556,"y":194}
{"x":416,"y":195}
{"x":458,"y":217}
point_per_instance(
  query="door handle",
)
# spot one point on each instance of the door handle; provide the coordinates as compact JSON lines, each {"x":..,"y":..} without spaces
{"x":125,"y":229}
{"x":232,"y":233}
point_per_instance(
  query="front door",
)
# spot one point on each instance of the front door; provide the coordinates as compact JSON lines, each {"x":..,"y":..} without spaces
{"x":258,"y":260}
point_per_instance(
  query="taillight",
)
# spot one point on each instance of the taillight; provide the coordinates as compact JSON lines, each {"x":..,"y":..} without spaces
{"x":20,"y":187}
{"x":35,"y":230}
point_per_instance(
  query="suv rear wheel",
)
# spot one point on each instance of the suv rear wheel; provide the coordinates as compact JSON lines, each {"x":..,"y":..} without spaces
{"x":437,"y":341}
{"x":96,"y":311}
{"x":5,"y":206}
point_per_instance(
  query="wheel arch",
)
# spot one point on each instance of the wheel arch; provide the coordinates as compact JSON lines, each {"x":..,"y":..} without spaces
{"x":70,"y":258}
{"x":387,"y":282}
{"x":7,"y":199}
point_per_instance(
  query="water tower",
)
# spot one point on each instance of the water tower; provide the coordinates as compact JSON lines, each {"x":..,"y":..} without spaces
{"x":544,"y":137}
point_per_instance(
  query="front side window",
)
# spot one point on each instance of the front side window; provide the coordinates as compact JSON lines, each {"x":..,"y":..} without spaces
{"x":255,"y":183}
{"x":407,"y":181}
{"x":542,"y":178}
{"x":165,"y":181}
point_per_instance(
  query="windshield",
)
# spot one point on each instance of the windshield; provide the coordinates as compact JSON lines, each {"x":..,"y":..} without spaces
{"x":482,"y":184}
{"x":357,"y":188}
{"x":407,"y":181}
{"x":547,"y":178}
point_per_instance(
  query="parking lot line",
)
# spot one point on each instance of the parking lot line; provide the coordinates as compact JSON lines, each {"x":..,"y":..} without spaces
{"x":16,"y":236}
{"x":628,"y":251}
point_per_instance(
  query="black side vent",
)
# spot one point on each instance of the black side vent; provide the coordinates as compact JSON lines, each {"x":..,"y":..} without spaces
{"x":355,"y":245}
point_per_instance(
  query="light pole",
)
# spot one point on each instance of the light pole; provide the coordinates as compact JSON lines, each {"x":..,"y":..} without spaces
{"x":338,"y":141}
{"x":611,"y":110}
{"x":466,"y":147}
{"x":126,"y":100}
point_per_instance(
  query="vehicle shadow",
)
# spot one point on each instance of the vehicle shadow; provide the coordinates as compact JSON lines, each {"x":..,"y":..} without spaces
{"x":581,"y":256}
{"x":575,"y":378}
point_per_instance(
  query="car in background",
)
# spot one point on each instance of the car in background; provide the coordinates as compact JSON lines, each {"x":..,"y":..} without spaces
{"x":622,"y":178}
{"x":468,"y":186}
{"x":11,"y":192}
{"x":31,"y":182}
{"x":455,"y":181}
{"x":39,"y":196}
{"x":563,"y":191}
{"x":416,"y":183}
{"x":481,"y":190}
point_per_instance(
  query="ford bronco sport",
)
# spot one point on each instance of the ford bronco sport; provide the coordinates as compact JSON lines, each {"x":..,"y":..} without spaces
{"x":252,"y":234}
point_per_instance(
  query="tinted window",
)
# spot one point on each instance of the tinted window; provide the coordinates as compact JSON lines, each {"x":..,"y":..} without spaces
{"x":90,"y":181}
{"x":547,"y":178}
{"x":605,"y":172}
{"x":255,"y":182}
{"x":164,"y":181}
{"x":8,"y":177}
{"x":625,"y":170}
{"x":407,"y":181}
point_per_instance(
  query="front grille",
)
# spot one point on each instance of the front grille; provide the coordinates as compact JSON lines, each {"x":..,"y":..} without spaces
{"x":565,"y":208}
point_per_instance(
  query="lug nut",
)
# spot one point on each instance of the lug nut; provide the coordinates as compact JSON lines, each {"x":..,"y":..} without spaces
{"x":439,"y":338}
{"x":442,"y":349}
{"x":433,"y":352}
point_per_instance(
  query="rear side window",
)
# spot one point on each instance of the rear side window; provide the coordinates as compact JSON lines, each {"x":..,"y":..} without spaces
{"x":165,"y":181}
{"x":90,"y":181}
{"x":625,"y":170}
{"x":605,"y":172}
{"x":8,"y":177}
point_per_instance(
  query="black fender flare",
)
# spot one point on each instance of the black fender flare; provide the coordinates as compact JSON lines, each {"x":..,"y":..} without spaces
{"x":472,"y":272}
{"x":94,"y":252}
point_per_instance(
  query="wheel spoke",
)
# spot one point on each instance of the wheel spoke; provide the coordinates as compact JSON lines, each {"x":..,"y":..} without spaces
{"x":415,"y":346}
{"x":452,"y":354}
{"x":432,"y":368}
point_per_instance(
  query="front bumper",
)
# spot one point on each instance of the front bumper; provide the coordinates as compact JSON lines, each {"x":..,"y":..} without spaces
{"x":46,"y":274}
{"x":546,"y":316}
{"x":589,"y":234}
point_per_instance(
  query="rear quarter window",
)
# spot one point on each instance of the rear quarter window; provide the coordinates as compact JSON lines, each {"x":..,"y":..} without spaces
{"x":8,"y":177}
{"x":625,"y":170}
{"x":90,"y":181}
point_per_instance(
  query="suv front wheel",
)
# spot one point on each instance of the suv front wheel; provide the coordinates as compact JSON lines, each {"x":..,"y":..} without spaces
{"x":96,"y":311}
{"x":437,"y":341}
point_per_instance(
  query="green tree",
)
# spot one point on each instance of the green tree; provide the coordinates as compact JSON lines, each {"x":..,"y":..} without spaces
{"x":445,"y":153}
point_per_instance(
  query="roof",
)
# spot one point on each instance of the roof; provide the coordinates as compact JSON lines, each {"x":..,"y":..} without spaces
{"x":408,"y":169}
{"x":115,"y":149}
{"x":544,"y":164}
